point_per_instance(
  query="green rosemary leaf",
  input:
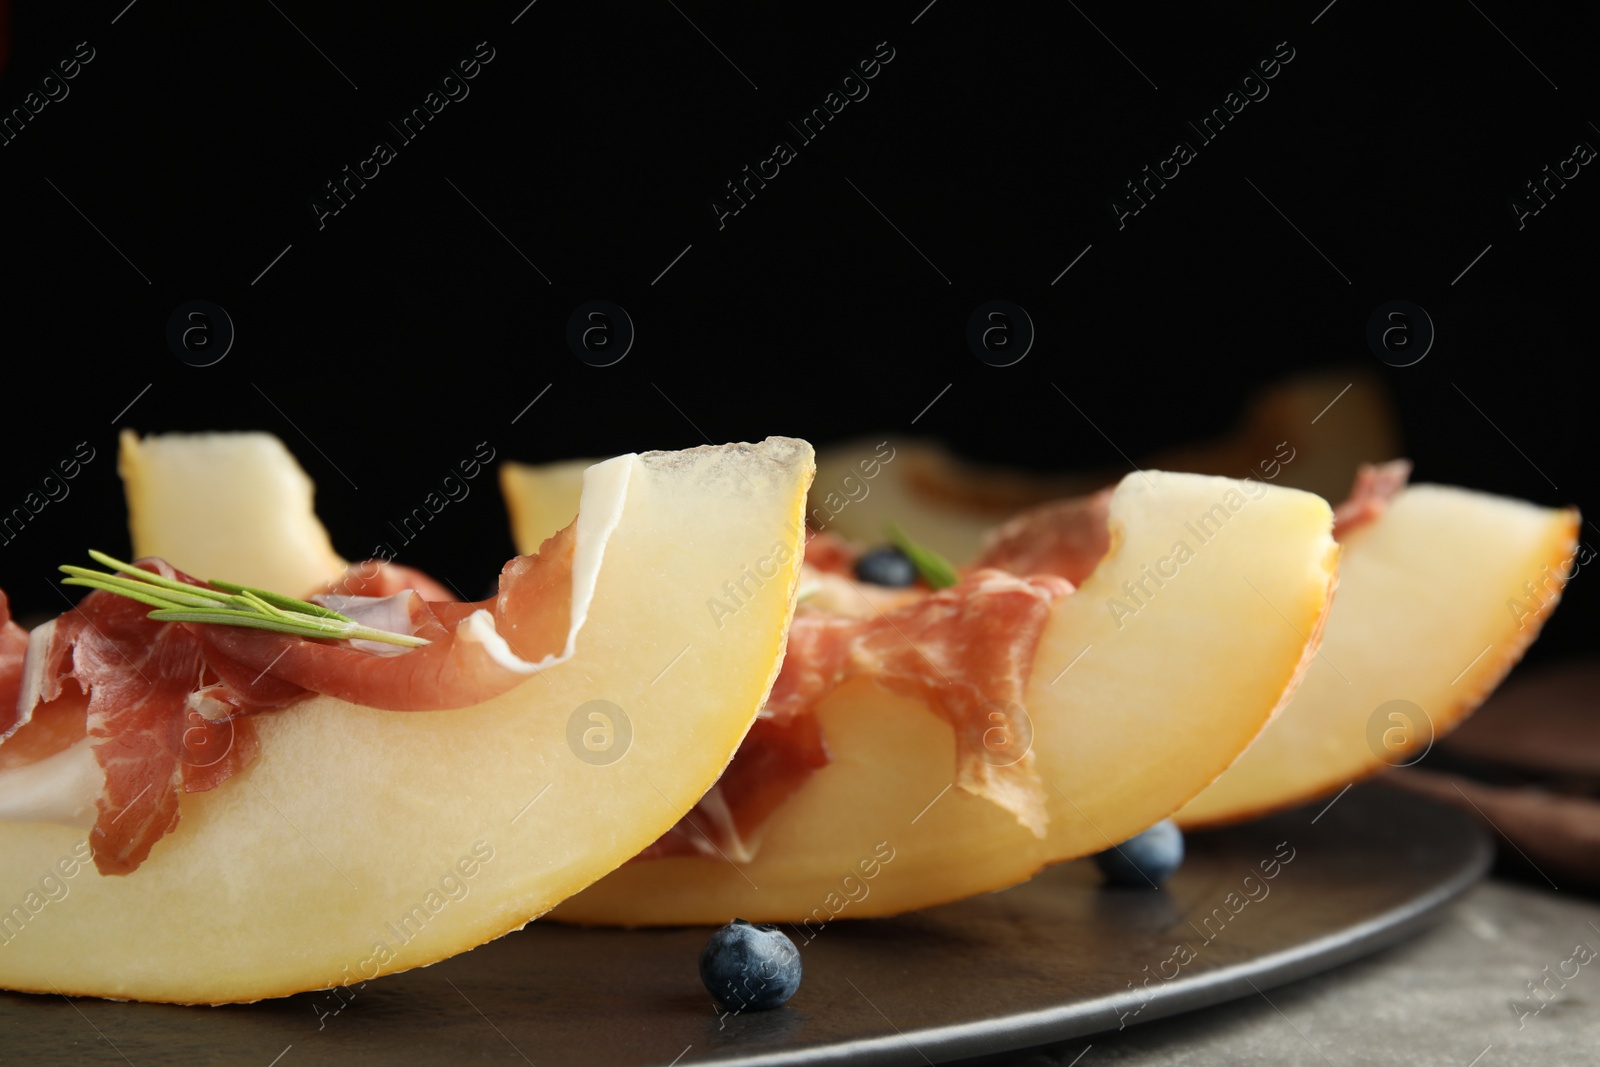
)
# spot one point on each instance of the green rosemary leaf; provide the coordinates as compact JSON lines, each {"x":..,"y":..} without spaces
{"x":366,"y":633}
{"x":152,"y":578}
{"x":153,"y":599}
{"x":278,"y":600}
{"x":235,"y":617}
{"x":113,"y":584}
{"x":228,"y":604}
{"x":250,"y":602}
{"x":934,"y":568}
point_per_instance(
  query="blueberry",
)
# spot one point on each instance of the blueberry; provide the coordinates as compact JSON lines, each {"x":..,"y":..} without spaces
{"x":1146,"y":858}
{"x":749,"y":966}
{"x":886,"y":566}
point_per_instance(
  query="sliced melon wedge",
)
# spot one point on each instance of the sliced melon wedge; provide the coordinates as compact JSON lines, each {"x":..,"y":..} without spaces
{"x":1132,"y":715}
{"x":542,"y":498}
{"x":1308,"y":432}
{"x":229,"y":505}
{"x":363,"y":842}
{"x":1437,"y":600}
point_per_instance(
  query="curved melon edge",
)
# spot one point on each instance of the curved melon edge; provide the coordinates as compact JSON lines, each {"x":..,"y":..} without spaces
{"x":1487,"y":677}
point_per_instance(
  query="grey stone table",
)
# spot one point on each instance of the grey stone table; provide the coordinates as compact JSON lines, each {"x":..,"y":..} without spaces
{"x":1443,"y":997}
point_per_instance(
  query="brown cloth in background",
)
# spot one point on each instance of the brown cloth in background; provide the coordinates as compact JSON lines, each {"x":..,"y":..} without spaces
{"x":1530,"y":771}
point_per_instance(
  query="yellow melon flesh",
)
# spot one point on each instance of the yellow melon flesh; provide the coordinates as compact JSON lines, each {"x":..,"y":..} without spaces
{"x":354,"y":828}
{"x":845,"y":501}
{"x":228,"y":505}
{"x":1129,"y":722}
{"x":544,"y":498}
{"x":1436,"y":603}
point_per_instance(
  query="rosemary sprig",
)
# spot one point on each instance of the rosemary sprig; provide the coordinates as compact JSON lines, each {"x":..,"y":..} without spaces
{"x":227,"y":604}
{"x":934,"y":568}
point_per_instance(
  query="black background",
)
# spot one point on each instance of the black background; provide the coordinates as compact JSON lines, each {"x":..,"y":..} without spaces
{"x":386,"y":344}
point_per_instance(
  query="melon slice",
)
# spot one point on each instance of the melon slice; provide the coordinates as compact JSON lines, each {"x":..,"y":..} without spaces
{"x":1437,"y":600}
{"x":1132,"y":715}
{"x":229,"y":505}
{"x":363,"y":842}
{"x":1307,"y":433}
{"x":545,"y":498}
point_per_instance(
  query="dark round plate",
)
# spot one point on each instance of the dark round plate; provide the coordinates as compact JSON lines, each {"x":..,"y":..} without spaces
{"x":1254,"y":906}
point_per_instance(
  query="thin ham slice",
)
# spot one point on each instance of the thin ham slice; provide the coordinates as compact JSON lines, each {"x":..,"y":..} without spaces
{"x":965,"y":651}
{"x":167,"y":704}
{"x":1376,"y":485}
{"x":475,"y":651}
{"x":141,"y":678}
{"x":1069,"y":537}
{"x":27,"y":736}
{"x":13,"y":649}
{"x":50,"y":729}
{"x":1064,"y":537}
{"x":381,"y":578}
{"x":774,"y":760}
{"x":830,"y":553}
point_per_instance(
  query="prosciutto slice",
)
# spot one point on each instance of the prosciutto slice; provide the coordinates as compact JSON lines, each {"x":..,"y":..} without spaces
{"x":166,"y":706}
{"x":475,"y":651}
{"x":1069,"y":537}
{"x":381,"y":578}
{"x":829,"y":553}
{"x":775,"y":759}
{"x":1064,"y":537}
{"x":13,"y":648}
{"x":1376,"y":486}
{"x":143,"y":681}
{"x":965,"y":651}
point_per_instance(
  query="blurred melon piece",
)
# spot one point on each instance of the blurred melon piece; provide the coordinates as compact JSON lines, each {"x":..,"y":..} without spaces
{"x":948,"y":503}
{"x":542,"y":498}
{"x":226,"y":505}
